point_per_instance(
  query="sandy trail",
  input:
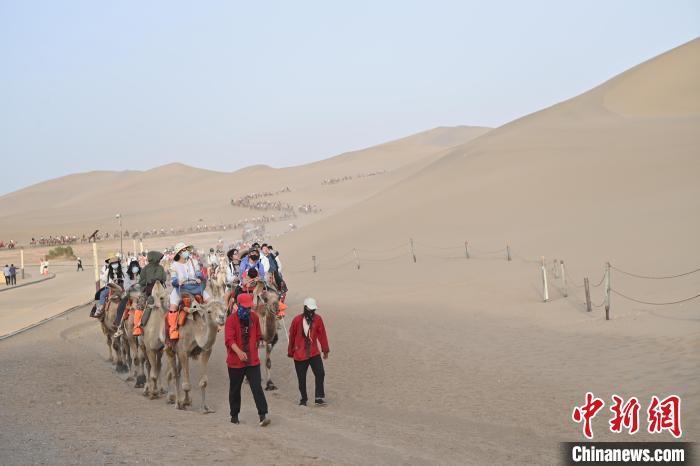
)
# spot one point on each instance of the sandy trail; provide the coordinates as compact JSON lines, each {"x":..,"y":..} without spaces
{"x":413,"y":377}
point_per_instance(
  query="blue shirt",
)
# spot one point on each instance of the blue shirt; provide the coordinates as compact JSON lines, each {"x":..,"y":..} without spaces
{"x":247,"y":265}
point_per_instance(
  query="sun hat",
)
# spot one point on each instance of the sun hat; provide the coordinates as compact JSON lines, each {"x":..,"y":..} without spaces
{"x":113,"y":257}
{"x":180,"y":246}
{"x":310,"y":303}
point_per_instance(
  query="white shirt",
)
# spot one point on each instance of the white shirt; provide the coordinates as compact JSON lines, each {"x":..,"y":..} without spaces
{"x":186,"y":271}
{"x":213,"y":259}
{"x":265,"y":262}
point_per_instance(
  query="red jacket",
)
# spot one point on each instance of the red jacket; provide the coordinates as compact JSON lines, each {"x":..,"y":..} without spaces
{"x":317,"y":333}
{"x":234,"y":334}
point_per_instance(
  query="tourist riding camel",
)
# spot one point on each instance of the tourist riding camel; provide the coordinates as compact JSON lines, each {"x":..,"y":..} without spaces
{"x":151,"y":274}
{"x":131,"y":287}
{"x":252,"y":260}
{"x":112,"y":273}
{"x":187,"y":279}
{"x":233,"y":269}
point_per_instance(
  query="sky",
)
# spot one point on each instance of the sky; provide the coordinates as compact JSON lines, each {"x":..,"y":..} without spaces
{"x":88,"y":85}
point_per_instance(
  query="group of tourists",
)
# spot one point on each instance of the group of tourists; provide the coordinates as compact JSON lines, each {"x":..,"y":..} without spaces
{"x":247,"y":268}
{"x":9,"y":245}
{"x":350,"y":177}
{"x":10,"y":272}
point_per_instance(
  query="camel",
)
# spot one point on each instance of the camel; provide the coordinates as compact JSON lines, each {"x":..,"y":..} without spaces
{"x":196,"y":341}
{"x":108,"y":327}
{"x":217,"y":281}
{"x":137,"y":350}
{"x":153,"y":338}
{"x":266,"y":305}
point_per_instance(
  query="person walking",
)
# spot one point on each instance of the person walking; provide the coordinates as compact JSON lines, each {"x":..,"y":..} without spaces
{"x":6,"y":272}
{"x":80,"y":265}
{"x":241,"y":336}
{"x":305,"y":333}
{"x":13,"y":274}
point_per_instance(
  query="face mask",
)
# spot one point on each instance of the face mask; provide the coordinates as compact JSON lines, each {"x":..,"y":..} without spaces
{"x":186,"y":254}
{"x":254,"y":258}
{"x":134,"y":270}
{"x":115,"y":265}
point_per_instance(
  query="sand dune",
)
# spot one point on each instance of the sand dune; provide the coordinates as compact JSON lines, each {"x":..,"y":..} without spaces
{"x":179,"y":195}
{"x":572,"y":181}
{"x":441,"y":361}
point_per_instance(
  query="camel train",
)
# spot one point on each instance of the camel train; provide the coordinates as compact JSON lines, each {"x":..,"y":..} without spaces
{"x":199,"y":325}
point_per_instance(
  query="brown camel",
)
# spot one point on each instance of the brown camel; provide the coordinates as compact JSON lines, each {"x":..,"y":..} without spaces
{"x":137,"y":350}
{"x":116,"y":352}
{"x":153,"y":338}
{"x":217,"y":281}
{"x":266,"y":305}
{"x":196,"y":341}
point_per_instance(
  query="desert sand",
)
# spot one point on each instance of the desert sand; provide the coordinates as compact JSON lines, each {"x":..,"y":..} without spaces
{"x":445,"y":360}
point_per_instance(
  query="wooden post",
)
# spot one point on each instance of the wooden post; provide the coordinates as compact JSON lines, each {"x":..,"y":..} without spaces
{"x":508,"y":252}
{"x":466,"y":249}
{"x":555,"y":272}
{"x":21,"y":262}
{"x":357,"y":258}
{"x":313,"y":258}
{"x":545,"y":292}
{"x":588,"y":294}
{"x":133,"y":249}
{"x":97,"y":268}
{"x":413,"y":251}
{"x":607,"y":290}
{"x":141,"y":245}
{"x":565,"y":291}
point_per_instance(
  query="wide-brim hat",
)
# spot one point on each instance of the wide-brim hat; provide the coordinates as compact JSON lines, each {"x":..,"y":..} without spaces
{"x":180,"y":246}
{"x":114,"y":257}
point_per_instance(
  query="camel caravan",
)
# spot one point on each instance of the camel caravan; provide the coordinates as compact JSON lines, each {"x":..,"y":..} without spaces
{"x":160,"y":317}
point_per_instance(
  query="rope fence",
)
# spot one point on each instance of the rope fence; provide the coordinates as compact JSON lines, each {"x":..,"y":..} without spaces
{"x":412,"y":250}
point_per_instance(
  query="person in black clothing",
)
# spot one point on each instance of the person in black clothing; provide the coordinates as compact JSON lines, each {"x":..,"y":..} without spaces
{"x":80,"y":264}
{"x":13,"y":274}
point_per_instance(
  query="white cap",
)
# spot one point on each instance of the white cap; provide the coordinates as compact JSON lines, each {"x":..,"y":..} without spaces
{"x":310,"y":303}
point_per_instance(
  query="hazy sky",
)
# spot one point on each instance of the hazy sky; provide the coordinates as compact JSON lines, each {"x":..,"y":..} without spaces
{"x":88,"y":85}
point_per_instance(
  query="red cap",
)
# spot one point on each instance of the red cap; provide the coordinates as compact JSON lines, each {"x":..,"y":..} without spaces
{"x":245,"y":300}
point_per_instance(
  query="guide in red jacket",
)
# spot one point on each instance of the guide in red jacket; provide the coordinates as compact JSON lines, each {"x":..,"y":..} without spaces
{"x":242,"y":334}
{"x":305,"y":334}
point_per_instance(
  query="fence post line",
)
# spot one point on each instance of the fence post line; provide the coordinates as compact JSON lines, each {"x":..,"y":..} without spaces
{"x":545,"y":292}
{"x":313,"y":258}
{"x":21,"y":262}
{"x":607,"y":290}
{"x":466,"y":249}
{"x":413,"y":251}
{"x":588,"y":293}
{"x":563,"y":279}
{"x":508,"y":252}
{"x":357,"y":258}
{"x":97,"y":268}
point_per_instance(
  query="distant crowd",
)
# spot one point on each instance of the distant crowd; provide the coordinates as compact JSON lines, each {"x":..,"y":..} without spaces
{"x":254,"y":201}
{"x":350,"y":177}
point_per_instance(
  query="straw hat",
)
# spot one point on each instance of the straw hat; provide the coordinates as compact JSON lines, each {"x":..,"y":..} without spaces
{"x":114,"y":257}
{"x":180,"y":246}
